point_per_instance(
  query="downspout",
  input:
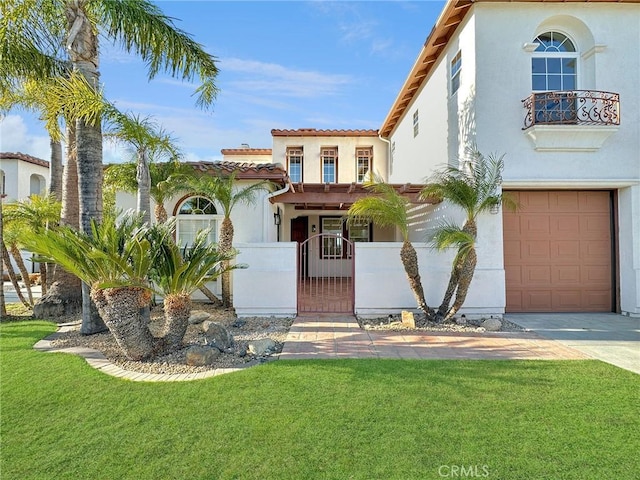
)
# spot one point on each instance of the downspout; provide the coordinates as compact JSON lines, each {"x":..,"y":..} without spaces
{"x":266,"y":216}
{"x":389,"y":157}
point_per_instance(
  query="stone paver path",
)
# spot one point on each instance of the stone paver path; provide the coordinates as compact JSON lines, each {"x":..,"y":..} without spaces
{"x":341,"y":337}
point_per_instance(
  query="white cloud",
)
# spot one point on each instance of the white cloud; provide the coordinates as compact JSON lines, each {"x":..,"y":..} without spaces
{"x":276,"y":79}
{"x":15,"y":137}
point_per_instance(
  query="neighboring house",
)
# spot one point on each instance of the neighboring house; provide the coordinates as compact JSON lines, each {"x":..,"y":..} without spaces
{"x":22,"y":175}
{"x":553,"y":86}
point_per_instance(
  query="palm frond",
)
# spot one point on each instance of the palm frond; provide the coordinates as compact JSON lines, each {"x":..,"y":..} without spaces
{"x":141,"y":27}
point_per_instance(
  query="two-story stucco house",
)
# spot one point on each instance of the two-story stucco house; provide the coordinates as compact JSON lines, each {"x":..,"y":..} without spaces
{"x":553,"y":86}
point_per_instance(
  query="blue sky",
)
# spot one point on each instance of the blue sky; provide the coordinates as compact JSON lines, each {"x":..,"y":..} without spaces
{"x":285,"y":65}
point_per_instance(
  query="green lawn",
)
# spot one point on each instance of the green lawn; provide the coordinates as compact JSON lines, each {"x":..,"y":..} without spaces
{"x":346,"y":419}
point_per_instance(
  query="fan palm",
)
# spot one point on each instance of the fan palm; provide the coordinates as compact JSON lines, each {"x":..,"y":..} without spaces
{"x":224,"y":190}
{"x":474,"y":187}
{"x":387,"y":208}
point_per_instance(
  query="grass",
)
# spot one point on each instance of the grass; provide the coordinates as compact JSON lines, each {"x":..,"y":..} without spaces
{"x":332,"y":419}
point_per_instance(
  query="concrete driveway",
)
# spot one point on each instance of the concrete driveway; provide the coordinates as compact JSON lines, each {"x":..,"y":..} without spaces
{"x":609,"y":337}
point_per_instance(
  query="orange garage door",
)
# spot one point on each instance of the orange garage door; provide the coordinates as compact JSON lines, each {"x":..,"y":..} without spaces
{"x":558,"y":252}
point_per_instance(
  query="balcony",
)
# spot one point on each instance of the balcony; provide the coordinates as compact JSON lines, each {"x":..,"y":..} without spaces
{"x":576,"y":120}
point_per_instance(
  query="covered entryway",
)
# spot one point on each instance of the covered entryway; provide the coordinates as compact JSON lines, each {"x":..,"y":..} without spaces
{"x":558,"y":252}
{"x":326,"y":275}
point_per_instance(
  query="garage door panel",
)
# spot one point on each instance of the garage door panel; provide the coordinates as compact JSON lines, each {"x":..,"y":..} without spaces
{"x":536,"y":251}
{"x":565,"y":251}
{"x":536,"y":275}
{"x":563,"y":201}
{"x":565,"y":226}
{"x":558,"y":252}
{"x":594,"y":227}
{"x":566,"y":275}
{"x":594,"y":202}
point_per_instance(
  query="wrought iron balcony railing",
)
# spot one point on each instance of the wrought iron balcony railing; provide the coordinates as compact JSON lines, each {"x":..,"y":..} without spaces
{"x":574,"y":107}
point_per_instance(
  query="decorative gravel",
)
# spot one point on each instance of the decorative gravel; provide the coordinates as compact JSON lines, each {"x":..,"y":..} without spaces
{"x":394,"y":323}
{"x":243,"y":330}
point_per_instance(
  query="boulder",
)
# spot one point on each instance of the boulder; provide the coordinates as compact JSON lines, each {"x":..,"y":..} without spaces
{"x":198,"y":316}
{"x":217,"y":335}
{"x":199,"y":355}
{"x":263,"y":346}
{"x":492,"y":325}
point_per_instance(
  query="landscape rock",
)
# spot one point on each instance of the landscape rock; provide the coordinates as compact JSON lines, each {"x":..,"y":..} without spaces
{"x":408,"y":320}
{"x":217,"y":335}
{"x":261,"y":347}
{"x":199,"y":355}
{"x":198,"y":316}
{"x":492,"y":325}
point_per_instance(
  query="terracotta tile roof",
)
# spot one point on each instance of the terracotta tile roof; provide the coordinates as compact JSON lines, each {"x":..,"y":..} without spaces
{"x":246,"y":151}
{"x":450,"y":18}
{"x":312,"y":132}
{"x":245,"y":170}
{"x":24,"y":157}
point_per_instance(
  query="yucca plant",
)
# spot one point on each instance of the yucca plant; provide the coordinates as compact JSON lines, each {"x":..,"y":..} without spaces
{"x":178,"y":271}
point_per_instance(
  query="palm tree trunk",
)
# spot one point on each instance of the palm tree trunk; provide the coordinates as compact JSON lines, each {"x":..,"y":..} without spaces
{"x":454,"y":280}
{"x":466,"y":275}
{"x":24,"y":273}
{"x":120,"y":309}
{"x":177,"y":308}
{"x":82,"y":45}
{"x":65,"y":295}
{"x":160,"y":213}
{"x":226,"y":245}
{"x":409,"y":259}
{"x":55,"y":170}
{"x":12,"y":276}
{"x":143,"y":176}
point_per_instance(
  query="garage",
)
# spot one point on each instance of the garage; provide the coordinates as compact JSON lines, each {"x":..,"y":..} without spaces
{"x":558,"y":252}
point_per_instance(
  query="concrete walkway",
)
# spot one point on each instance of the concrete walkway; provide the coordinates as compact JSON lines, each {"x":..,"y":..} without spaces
{"x":609,"y":337}
{"x":341,"y":337}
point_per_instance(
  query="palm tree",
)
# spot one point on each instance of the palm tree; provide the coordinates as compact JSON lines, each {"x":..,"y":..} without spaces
{"x":387,"y":208}
{"x":117,"y":260}
{"x":122,"y":176}
{"x":177,"y":272}
{"x":224,"y":190}
{"x":140,"y":27}
{"x":474,"y":187}
{"x":11,"y":232}
{"x":150,"y":143}
{"x":34,"y":214}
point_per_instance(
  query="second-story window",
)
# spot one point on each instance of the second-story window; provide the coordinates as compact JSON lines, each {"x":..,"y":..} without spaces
{"x":364,"y":157}
{"x":329,"y":161}
{"x":294,"y":164}
{"x":553,"y":65}
{"x":456,"y":67}
{"x":416,"y":128}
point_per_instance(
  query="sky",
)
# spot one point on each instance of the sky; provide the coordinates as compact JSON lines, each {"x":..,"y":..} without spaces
{"x":283,"y":65}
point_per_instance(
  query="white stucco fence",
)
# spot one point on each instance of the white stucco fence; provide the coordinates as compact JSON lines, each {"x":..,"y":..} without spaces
{"x":268,"y":286}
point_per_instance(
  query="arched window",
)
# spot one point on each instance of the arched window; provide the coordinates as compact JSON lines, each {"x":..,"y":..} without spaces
{"x":37,"y":184}
{"x":554,"y":63}
{"x":195,"y":214}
